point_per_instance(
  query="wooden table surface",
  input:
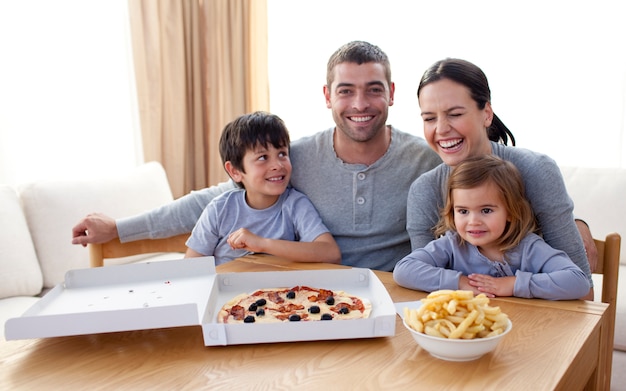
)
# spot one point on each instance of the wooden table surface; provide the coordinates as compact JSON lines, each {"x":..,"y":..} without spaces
{"x":553,"y":345}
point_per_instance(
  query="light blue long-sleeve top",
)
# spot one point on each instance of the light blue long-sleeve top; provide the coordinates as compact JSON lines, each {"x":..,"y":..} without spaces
{"x":540,"y":271}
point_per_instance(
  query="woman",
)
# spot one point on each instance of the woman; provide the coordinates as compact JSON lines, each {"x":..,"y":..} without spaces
{"x":459,"y":122}
{"x":490,"y":245}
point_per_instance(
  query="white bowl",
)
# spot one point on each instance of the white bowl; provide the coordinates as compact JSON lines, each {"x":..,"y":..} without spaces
{"x":457,"y":349}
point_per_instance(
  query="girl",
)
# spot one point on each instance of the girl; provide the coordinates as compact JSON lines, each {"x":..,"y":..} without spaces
{"x":489,"y":244}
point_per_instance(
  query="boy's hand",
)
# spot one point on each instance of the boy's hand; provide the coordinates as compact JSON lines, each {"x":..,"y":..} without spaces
{"x":244,"y":239}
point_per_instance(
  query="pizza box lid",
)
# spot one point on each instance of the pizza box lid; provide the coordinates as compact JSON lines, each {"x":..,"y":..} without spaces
{"x":120,"y":298}
{"x":189,"y":293}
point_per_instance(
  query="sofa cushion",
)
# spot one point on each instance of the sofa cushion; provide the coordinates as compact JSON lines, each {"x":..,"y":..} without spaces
{"x":20,"y":274}
{"x":14,"y":307}
{"x":52,"y":208}
{"x":598,"y":195}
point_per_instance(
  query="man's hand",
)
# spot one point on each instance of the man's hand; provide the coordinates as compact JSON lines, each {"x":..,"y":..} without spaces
{"x":590,"y":246}
{"x":94,"y":228}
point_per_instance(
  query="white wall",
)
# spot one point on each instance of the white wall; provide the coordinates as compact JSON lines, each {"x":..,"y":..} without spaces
{"x":557,"y":69}
{"x":66,"y":89}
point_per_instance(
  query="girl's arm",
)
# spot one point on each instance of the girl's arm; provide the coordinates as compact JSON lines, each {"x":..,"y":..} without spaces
{"x":427,"y":269}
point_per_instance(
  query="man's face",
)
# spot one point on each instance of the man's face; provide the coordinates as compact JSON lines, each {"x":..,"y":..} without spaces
{"x":359,"y":98}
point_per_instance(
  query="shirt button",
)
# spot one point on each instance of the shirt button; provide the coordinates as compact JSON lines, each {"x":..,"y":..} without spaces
{"x":361,"y":176}
{"x":360,"y":200}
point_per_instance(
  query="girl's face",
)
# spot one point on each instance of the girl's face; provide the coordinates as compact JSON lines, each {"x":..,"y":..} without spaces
{"x":454,"y":126}
{"x":480,"y":216}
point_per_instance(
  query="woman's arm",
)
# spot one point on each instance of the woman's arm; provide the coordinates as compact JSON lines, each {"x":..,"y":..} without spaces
{"x":424,"y":201}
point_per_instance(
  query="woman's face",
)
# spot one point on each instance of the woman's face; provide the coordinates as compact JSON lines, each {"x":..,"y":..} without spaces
{"x":454,"y":126}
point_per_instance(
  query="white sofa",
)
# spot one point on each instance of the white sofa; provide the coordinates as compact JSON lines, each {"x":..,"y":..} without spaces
{"x":36,"y":227}
{"x":35,"y":235}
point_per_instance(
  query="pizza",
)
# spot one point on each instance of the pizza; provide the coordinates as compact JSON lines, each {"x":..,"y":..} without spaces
{"x":300,"y":303}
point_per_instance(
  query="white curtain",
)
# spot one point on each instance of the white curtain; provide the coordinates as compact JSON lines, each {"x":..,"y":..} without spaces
{"x":67,"y":104}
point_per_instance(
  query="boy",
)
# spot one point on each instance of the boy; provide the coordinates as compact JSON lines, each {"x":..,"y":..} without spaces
{"x":255,"y":151}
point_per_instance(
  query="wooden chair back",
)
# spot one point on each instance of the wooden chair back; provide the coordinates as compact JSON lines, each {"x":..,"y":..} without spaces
{"x":608,"y":266}
{"x":115,"y":249}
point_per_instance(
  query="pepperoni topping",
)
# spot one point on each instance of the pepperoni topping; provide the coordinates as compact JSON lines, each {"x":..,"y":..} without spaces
{"x":291,"y":307}
{"x":275,"y":297}
{"x":238,"y":312}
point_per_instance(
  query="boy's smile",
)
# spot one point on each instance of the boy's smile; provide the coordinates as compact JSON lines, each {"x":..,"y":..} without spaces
{"x":265,"y":175}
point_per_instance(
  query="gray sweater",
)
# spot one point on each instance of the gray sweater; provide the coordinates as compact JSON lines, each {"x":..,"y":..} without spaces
{"x":364,"y":207}
{"x":545,"y":190}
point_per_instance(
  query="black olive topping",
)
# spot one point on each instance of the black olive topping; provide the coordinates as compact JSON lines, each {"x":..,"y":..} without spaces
{"x":252,"y":307}
{"x":291,"y":295}
{"x":314,"y":309}
{"x":330,"y":300}
{"x":261,"y":302}
{"x":344,"y":310}
{"x":260,"y":312}
{"x":294,"y":318}
{"x":327,"y":317}
{"x":249,"y":319}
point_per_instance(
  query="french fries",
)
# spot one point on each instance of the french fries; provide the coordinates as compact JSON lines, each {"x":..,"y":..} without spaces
{"x":456,"y":315}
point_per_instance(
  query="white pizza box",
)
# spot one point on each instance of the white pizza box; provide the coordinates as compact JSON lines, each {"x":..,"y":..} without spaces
{"x":189,"y":292}
{"x":120,"y":298}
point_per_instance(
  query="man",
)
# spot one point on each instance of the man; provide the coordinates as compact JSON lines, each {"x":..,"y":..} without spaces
{"x":357,"y":174}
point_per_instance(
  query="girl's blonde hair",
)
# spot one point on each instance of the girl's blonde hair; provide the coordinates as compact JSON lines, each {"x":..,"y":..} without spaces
{"x":479,"y":170}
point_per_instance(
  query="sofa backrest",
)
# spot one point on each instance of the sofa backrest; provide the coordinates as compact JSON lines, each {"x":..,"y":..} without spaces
{"x":52,"y":208}
{"x":20,"y":274}
{"x":599,"y":196}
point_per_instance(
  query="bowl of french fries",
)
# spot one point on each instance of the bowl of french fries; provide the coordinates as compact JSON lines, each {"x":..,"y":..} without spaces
{"x":456,"y":325}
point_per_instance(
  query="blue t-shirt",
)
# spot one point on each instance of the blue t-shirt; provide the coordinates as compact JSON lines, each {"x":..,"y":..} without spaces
{"x":293,"y":217}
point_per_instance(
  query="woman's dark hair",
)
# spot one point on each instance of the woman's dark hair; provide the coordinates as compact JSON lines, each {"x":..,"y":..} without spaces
{"x":472,"y":77}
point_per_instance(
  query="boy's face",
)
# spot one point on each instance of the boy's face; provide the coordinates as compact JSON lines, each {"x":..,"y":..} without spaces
{"x":267,"y":174}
